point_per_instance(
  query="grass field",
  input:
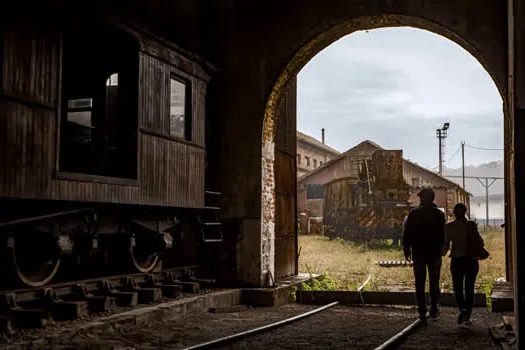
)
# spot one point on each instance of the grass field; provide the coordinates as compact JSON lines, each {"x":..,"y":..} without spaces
{"x":349,"y":264}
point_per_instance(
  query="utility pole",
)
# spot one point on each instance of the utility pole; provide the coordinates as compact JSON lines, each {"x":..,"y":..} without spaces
{"x":440,"y":154}
{"x":486,"y":184}
{"x":463,"y":162}
{"x":441,"y":135}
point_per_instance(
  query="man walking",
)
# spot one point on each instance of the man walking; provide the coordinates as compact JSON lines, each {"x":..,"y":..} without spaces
{"x":423,"y":242}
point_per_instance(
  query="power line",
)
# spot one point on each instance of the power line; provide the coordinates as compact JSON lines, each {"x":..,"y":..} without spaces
{"x":459,"y":149}
{"x":485,"y":149}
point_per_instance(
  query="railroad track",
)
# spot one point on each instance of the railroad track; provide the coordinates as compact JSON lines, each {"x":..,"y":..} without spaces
{"x":394,"y":263}
{"x":391,"y":343}
{"x":34,"y":307}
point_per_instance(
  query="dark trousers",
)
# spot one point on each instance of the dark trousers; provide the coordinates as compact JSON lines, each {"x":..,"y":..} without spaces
{"x":464,"y":271}
{"x":420,"y":273}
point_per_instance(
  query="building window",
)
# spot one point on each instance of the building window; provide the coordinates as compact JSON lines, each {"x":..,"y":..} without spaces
{"x":314,"y":191}
{"x":320,"y":162}
{"x":315,"y":163}
{"x":298,"y":159}
{"x":179,"y":114}
{"x":99,"y":122}
{"x":307,"y":161}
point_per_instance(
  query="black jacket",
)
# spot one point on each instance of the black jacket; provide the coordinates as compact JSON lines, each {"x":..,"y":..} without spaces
{"x":424,"y":234}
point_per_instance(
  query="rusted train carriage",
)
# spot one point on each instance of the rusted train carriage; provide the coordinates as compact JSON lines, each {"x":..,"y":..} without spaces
{"x":371,"y":206}
{"x":102,"y":147}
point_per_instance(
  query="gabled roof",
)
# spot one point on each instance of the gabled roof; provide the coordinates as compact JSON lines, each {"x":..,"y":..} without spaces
{"x":435,"y":174}
{"x":374,"y":145}
{"x":314,"y":142}
{"x":339,"y":157}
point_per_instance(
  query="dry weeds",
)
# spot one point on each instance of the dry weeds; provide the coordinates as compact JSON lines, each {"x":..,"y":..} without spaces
{"x":349,"y":264}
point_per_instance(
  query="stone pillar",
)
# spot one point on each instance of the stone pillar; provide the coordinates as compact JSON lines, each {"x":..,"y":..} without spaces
{"x":516,"y":107}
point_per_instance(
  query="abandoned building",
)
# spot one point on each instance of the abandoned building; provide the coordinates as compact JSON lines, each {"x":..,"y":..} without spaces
{"x":233,"y":62}
{"x":310,"y":187}
{"x":312,"y":153}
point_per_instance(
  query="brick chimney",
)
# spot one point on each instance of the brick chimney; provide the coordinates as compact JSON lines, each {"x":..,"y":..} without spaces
{"x":322,"y":135}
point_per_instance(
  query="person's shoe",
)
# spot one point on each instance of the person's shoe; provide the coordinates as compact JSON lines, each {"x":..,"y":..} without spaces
{"x":462,"y":317}
{"x":423,"y":317}
{"x":467,"y":323}
{"x":434,"y":315}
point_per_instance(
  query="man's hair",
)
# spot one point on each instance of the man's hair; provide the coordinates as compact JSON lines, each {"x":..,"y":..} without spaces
{"x":426,"y":194}
{"x":460,"y":209}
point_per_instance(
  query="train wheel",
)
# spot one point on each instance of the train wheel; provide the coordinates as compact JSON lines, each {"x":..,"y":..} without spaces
{"x":143,"y":261}
{"x":35,"y":258}
{"x":145,"y":254}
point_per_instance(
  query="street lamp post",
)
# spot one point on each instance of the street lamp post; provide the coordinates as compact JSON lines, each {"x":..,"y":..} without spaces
{"x":442,"y":135}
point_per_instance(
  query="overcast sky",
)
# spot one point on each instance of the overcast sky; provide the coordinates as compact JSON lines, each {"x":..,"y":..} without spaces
{"x":396,"y":86}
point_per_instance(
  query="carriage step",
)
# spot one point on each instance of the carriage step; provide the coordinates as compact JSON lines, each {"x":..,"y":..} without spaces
{"x":212,"y":208}
{"x":213,"y":193}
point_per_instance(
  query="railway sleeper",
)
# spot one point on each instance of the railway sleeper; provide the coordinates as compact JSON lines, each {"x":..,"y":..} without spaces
{"x":122,"y":298}
{"x":14,"y":315}
{"x":145,"y":295}
{"x":96,"y":303}
{"x":75,"y":301}
{"x":187,"y":286}
{"x":171,"y":291}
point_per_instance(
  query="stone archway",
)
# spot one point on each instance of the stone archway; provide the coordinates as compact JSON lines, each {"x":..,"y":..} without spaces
{"x":269,"y":169}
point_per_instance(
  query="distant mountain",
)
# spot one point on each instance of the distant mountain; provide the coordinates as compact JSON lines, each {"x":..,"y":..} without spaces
{"x":495,"y":169}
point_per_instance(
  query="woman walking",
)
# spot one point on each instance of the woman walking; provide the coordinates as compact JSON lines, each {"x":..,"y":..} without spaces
{"x":466,"y":243}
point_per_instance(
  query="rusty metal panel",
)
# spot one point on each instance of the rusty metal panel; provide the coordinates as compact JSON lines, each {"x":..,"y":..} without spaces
{"x":371,"y":206}
{"x":387,"y":168}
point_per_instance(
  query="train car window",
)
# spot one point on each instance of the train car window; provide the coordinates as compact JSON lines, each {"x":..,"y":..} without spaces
{"x":179,"y":116}
{"x":112,"y":112}
{"x":99,"y":102}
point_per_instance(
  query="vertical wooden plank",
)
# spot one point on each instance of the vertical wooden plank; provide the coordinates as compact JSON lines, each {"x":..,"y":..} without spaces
{"x":3,"y":148}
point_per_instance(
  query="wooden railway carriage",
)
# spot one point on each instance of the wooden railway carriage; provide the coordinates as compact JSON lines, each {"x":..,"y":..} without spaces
{"x":102,"y":147}
{"x":370,"y":206}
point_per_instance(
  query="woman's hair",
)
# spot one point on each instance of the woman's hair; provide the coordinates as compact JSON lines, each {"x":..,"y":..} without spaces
{"x":460,"y":210}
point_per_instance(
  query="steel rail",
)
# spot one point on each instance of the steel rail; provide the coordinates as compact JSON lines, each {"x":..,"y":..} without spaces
{"x":398,"y":337}
{"x":364,"y":283}
{"x":361,"y":287}
{"x":238,"y":336}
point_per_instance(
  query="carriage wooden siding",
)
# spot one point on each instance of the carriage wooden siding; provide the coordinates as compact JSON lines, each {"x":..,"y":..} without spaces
{"x":170,"y":171}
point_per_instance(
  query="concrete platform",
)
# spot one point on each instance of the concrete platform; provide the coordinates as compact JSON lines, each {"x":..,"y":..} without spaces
{"x":281,"y":294}
{"x":376,"y":298}
{"x":502,"y":297}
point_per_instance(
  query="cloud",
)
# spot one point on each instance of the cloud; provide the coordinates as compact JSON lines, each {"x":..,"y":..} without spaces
{"x":396,"y":86}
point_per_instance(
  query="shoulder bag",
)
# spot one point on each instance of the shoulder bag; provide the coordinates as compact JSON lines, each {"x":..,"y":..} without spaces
{"x":475,"y":243}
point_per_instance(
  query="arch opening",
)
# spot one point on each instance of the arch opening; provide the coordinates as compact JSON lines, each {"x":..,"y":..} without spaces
{"x":270,"y":205}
